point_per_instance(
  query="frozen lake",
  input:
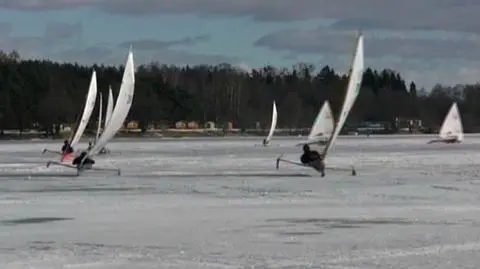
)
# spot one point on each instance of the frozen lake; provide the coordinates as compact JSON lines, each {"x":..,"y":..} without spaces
{"x":220,"y":203}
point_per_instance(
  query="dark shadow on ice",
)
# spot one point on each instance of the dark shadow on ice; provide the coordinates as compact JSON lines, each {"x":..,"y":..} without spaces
{"x":400,"y":197}
{"x":113,"y":246}
{"x":318,"y":226}
{"x":239,"y":174}
{"x":87,"y":189}
{"x":356,"y":223}
{"x":261,"y":191}
{"x":27,"y":175}
{"x":448,"y":188}
{"x":42,"y":246}
{"x":92,"y":247}
{"x":43,"y":242}
{"x":299,"y":233}
{"x":344,"y":226}
{"x":32,"y":220}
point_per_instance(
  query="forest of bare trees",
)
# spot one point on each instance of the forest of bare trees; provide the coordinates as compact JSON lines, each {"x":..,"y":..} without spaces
{"x":48,"y":93}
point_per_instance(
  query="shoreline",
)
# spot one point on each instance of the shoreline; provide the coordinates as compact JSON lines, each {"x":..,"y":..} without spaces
{"x":186,"y":134}
{"x":166,"y":133}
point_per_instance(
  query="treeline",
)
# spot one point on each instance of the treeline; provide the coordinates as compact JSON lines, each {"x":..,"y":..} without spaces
{"x":46,"y":93}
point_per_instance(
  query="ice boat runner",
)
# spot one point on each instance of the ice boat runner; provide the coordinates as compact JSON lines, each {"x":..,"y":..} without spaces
{"x":68,"y":150}
{"x":267,"y":140}
{"x":119,"y":114}
{"x":452,"y":129}
{"x":322,"y":128}
{"x":312,"y":158}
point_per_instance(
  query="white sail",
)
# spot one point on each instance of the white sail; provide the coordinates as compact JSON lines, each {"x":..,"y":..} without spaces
{"x":354,"y":84}
{"x":108,"y":114}
{"x":87,"y":112}
{"x":452,"y":125}
{"x":99,"y":126}
{"x":122,"y":107}
{"x":323,"y":126}
{"x":273,"y":125}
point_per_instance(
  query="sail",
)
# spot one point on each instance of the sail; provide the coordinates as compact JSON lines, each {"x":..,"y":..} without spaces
{"x":452,"y":125}
{"x":122,"y":107}
{"x":108,"y":114}
{"x":99,"y":126}
{"x":353,"y":88}
{"x":87,"y":112}
{"x":273,"y":125}
{"x":323,"y":126}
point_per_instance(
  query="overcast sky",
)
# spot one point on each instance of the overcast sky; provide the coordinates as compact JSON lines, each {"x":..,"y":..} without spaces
{"x":428,"y":41}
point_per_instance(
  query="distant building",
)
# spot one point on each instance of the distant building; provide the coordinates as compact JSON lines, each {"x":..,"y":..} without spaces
{"x":193,"y":125}
{"x":180,"y":125}
{"x":408,"y":125}
{"x":210,"y":125}
{"x":373,"y":128}
{"x":132,"y":125}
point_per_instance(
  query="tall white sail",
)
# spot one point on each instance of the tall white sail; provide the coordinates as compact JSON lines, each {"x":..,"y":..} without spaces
{"x":323,"y":126}
{"x":122,"y":107}
{"x":99,"y":126}
{"x":108,"y":114}
{"x":353,"y":88}
{"x":452,"y":125}
{"x":87,"y":112}
{"x":273,"y":125}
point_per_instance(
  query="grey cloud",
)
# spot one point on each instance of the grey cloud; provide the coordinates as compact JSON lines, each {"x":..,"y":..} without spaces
{"x":5,"y":28}
{"x":191,"y":40}
{"x":42,"y":5}
{"x":56,"y":34}
{"x":452,"y":15}
{"x":29,"y":47}
{"x":182,"y":57}
{"x":154,"y":44}
{"x":324,"y":41}
{"x":53,"y":44}
{"x":428,"y":74}
{"x":116,"y":56}
{"x":63,"y":31}
{"x":355,"y":23}
{"x":90,"y":55}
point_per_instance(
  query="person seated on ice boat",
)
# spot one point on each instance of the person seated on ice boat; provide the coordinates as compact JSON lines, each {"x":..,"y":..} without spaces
{"x":308,"y":155}
{"x":265,"y":142}
{"x":66,"y":149}
{"x":313,"y":159}
{"x":77,"y":161}
{"x":90,"y":145}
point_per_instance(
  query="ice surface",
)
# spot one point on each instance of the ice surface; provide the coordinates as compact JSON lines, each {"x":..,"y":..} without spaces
{"x":203,"y":203}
